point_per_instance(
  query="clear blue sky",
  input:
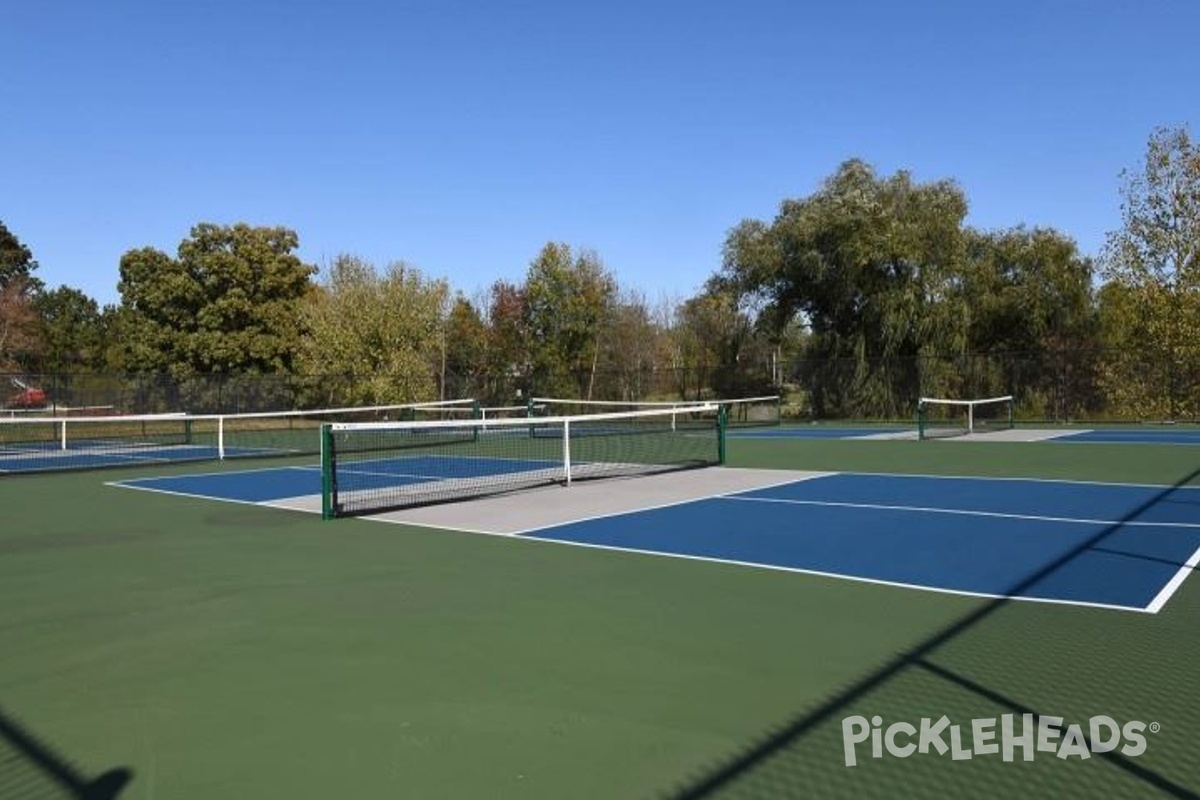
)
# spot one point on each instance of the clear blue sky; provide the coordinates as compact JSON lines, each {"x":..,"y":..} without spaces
{"x":462,"y":136}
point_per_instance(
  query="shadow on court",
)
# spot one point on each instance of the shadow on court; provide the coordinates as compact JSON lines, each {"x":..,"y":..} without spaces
{"x":31,"y":770}
{"x":1003,"y":657}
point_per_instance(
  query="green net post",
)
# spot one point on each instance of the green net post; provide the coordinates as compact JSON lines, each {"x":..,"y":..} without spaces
{"x":187,"y":432}
{"x":920,"y":421}
{"x":722,"y":422}
{"x":779,"y":409}
{"x":327,"y":509}
{"x":1011,"y":404}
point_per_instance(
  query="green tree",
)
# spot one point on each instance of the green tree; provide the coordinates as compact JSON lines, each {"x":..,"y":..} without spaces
{"x":1132,"y":385}
{"x":631,"y":348}
{"x":869,"y":264}
{"x":711,"y":334}
{"x":1028,"y":294}
{"x":1152,"y":264}
{"x":466,"y":345}
{"x":71,"y":330}
{"x":227,"y":304}
{"x":382,"y":333}
{"x":568,"y":300}
{"x":116,"y":341}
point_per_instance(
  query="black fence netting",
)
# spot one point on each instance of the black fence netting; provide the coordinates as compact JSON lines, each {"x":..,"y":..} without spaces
{"x":1064,"y":386}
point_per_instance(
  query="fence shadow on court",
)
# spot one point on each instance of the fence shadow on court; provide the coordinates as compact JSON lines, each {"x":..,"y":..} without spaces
{"x":31,"y":770}
{"x":804,"y":756}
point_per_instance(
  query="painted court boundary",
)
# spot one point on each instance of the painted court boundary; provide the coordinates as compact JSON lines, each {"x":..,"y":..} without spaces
{"x":1158,"y":602}
{"x":1153,"y":607}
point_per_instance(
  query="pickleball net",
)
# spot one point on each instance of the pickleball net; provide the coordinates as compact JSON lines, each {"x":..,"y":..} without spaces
{"x":80,"y":442}
{"x":373,"y":467}
{"x":939,"y":418}
{"x":740,"y":412}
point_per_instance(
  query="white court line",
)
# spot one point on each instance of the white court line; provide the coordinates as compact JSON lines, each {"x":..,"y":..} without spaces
{"x":61,"y":464}
{"x":434,"y":478}
{"x":374,"y":474}
{"x":1156,"y":444}
{"x":1019,"y":479}
{"x":1131,"y":441}
{"x":1173,"y":585}
{"x":838,"y":575}
{"x":433,"y":525}
{"x":522,"y":536}
{"x":961,"y":512}
{"x":218,"y":498}
{"x":350,"y":467}
{"x":125,"y":481}
{"x":531,"y":534}
{"x":699,"y":498}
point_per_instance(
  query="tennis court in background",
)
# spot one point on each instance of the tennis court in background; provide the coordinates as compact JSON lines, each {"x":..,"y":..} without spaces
{"x":1170,"y":435}
{"x":36,"y":443}
{"x":40,"y":443}
{"x":100,"y":452}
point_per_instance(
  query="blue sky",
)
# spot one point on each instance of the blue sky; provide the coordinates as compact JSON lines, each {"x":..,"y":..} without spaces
{"x":460,"y":137}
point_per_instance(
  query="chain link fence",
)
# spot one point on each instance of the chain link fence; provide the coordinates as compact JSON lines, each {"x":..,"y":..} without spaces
{"x":1065,"y":386}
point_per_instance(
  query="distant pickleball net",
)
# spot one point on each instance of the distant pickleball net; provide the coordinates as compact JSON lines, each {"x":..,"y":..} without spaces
{"x":460,"y":411}
{"x":81,"y":442}
{"x":940,"y":417}
{"x":373,"y":467}
{"x":740,"y":412}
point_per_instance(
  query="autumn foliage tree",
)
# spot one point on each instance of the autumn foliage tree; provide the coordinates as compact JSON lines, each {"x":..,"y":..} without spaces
{"x":19,"y":341}
{"x":374,"y":337}
{"x":18,"y":326}
{"x":1150,"y":305}
{"x":568,"y":298}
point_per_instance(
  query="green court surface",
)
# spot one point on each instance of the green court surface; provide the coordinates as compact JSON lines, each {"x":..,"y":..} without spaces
{"x":224,"y":650}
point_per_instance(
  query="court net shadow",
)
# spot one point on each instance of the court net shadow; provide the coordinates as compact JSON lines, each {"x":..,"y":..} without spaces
{"x":31,"y":770}
{"x":1002,"y":657}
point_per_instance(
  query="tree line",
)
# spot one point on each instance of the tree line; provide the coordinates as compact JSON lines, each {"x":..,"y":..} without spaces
{"x":853,"y":301}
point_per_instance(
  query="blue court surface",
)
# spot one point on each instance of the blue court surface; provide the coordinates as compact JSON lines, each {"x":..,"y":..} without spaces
{"x":1109,"y":545}
{"x":1161,"y":435}
{"x":50,"y":457}
{"x":815,"y":432}
{"x":1133,"y":435}
{"x":279,"y":483}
